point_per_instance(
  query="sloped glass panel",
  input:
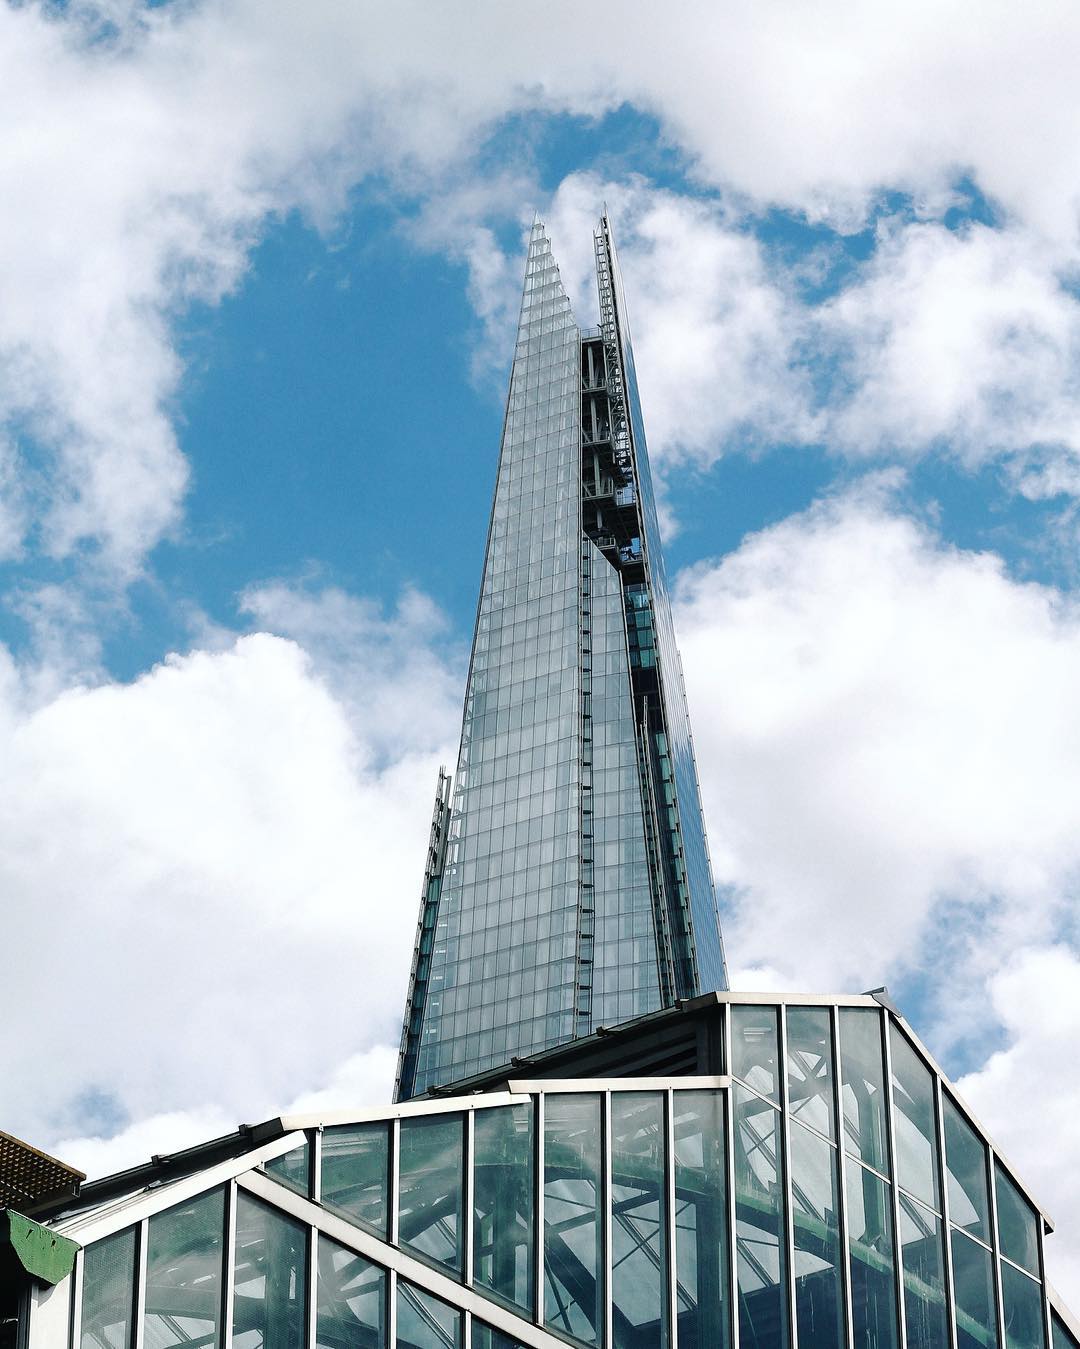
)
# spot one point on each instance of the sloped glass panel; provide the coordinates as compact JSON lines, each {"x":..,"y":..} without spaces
{"x":355,"y":1170}
{"x":1023,"y":1306}
{"x":923,"y":1263}
{"x":638,"y":1220}
{"x":701,"y":1241}
{"x":486,"y":1337}
{"x":424,"y":1322}
{"x":293,"y":1169}
{"x":754,"y":1037}
{"x":863,"y":1076}
{"x":818,"y":1251}
{"x":915,"y":1122}
{"x":811,"y":1082}
{"x":759,"y":1226}
{"x":350,"y":1312}
{"x":573,"y":1281}
{"x":430,"y":1170}
{"x":270,"y":1298}
{"x":873,"y":1290}
{"x":965,"y":1170}
{"x":503,"y":1177}
{"x":184,"y":1260}
{"x":1018,"y":1233}
{"x":1060,"y":1335}
{"x":973,"y":1294}
{"x":108,"y":1300}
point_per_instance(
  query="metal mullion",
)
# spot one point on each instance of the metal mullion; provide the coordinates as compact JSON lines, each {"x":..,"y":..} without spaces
{"x":228,"y":1281}
{"x":311,"y":1310}
{"x":466,"y":1328}
{"x":538,"y":1210}
{"x":787,"y":1218}
{"x":468,"y":1183}
{"x":395,"y":1179}
{"x":391,"y":1311}
{"x":841,"y":1178}
{"x":885,"y":1019}
{"x":605,"y":1220}
{"x":733,"y":1240}
{"x":995,"y":1242}
{"x":139,"y":1308}
{"x":946,"y":1220}
{"x":669,"y":1214}
{"x":1048,"y":1327}
{"x":316,"y":1164}
{"x":76,"y":1300}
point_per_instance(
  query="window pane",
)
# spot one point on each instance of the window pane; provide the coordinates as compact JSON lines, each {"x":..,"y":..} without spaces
{"x":503,"y":1202}
{"x":818,"y":1291}
{"x":184,"y":1254}
{"x":486,"y":1337}
{"x":424,"y":1322}
{"x":811,"y":1084}
{"x":638,"y":1219}
{"x":924,"y":1278}
{"x":270,"y":1297}
{"x":1017,"y":1231}
{"x":1061,"y":1336}
{"x":973,"y":1295}
{"x":915,"y":1122}
{"x":753,"y":1048}
{"x":109,"y":1292}
{"x":355,"y":1165}
{"x":1022,"y":1298}
{"x":293,"y":1169}
{"x":873,"y":1292}
{"x":572,"y":1229}
{"x":965,"y":1169}
{"x":431,"y":1164}
{"x":759,"y":1224}
{"x":351,"y":1308}
{"x":863,"y":1078}
{"x":701,"y":1255}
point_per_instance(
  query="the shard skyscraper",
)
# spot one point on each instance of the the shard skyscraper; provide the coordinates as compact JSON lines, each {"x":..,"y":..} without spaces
{"x":568,"y":883}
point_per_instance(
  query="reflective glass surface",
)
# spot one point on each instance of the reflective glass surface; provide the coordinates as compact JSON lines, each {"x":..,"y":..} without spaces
{"x":701,"y":1229}
{"x":485,"y":1337}
{"x":818,"y":1250}
{"x":1060,"y":1335}
{"x":430,"y":1170}
{"x":573,"y":1283}
{"x":184,"y":1266}
{"x":638,"y":1220}
{"x":923,"y":1263}
{"x":108,"y":1300}
{"x":270,"y":1271}
{"x":425,"y":1322}
{"x":1022,"y":1303}
{"x":811,"y":1079}
{"x":759,"y":1223}
{"x":754,"y":1037}
{"x":355,"y":1170}
{"x":863,"y":1075}
{"x":1017,"y":1224}
{"x":293,"y":1168}
{"x":965,"y":1169}
{"x":503,"y":1145}
{"x":973,"y":1294}
{"x":873,"y":1290}
{"x":351,"y":1304}
{"x":915,"y":1122}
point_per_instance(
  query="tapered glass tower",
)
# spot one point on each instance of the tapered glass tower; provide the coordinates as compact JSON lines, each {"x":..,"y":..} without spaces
{"x":568,"y":882}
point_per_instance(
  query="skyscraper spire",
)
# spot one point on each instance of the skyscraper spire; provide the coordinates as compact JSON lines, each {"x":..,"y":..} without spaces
{"x":568,"y":881}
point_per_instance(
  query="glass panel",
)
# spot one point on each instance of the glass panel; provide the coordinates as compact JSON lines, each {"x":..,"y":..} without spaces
{"x":811,"y":1084}
{"x":915,"y":1122}
{"x":572,"y":1228}
{"x":1018,"y":1233}
{"x":973,"y":1295}
{"x":759,"y":1224}
{"x":1022,"y":1298}
{"x":293,"y":1169}
{"x":701,"y":1255}
{"x":965,"y":1169}
{"x":818,"y":1254}
{"x":184,"y":1256}
{"x":109,"y":1292}
{"x":350,"y":1310}
{"x":270,"y":1299}
{"x":638,"y":1220}
{"x":430,"y":1203}
{"x":1060,"y":1335}
{"x":485,"y":1337}
{"x":424,"y":1322}
{"x":503,"y":1202}
{"x":355,"y":1165}
{"x":753,"y":1048}
{"x":923,"y":1263}
{"x":863,"y":1095}
{"x":873,"y":1291}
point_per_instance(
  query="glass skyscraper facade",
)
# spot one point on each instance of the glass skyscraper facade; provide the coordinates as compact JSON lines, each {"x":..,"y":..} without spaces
{"x":568,"y":882}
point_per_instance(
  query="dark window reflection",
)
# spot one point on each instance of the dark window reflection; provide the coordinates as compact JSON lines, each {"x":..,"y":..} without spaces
{"x":270,"y":1269}
{"x":185,"y":1248}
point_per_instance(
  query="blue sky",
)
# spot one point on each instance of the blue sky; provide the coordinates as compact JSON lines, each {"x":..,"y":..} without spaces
{"x":263,"y":266}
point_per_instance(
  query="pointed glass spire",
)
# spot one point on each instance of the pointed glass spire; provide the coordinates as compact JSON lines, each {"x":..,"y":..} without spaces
{"x":568,"y":882}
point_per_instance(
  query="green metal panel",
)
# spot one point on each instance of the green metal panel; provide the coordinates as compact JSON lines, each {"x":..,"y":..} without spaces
{"x":44,"y":1254}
